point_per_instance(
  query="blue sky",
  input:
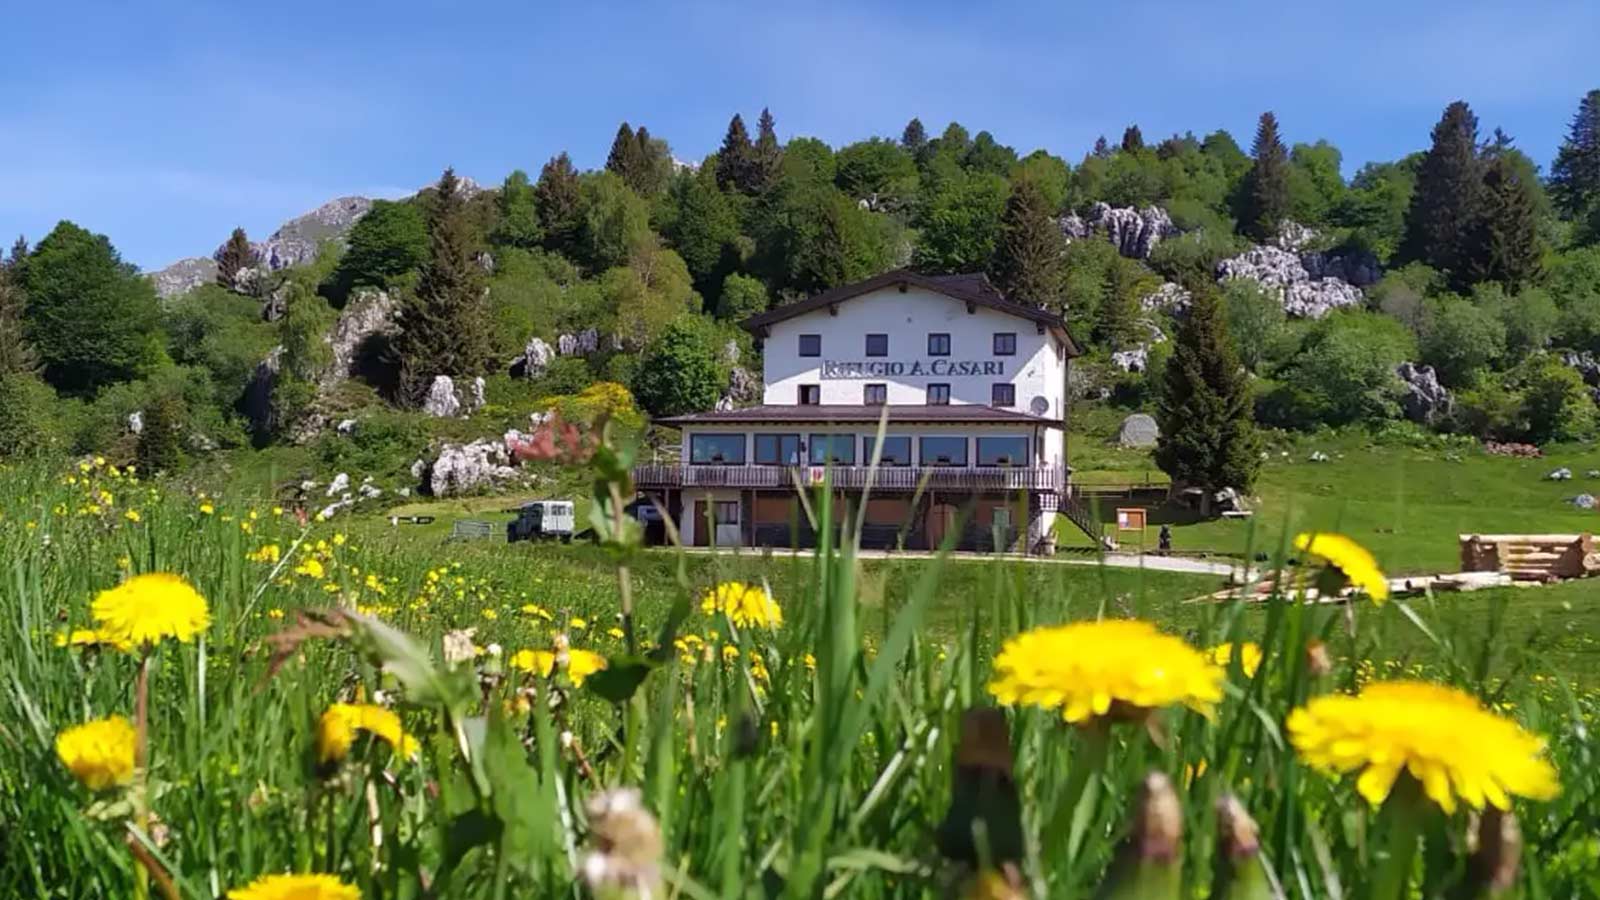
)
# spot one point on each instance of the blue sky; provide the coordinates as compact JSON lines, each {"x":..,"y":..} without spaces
{"x":165,"y":124}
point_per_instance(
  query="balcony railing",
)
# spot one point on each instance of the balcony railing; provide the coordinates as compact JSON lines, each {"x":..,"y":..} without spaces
{"x":980,"y":478}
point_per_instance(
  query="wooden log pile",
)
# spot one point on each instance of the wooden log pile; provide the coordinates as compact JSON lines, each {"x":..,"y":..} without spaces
{"x":1531,"y":557}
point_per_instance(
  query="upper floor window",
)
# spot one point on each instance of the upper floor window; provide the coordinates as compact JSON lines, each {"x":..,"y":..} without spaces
{"x":1002,"y":451}
{"x":938,"y":344}
{"x":833,"y":448}
{"x":943,"y":450}
{"x":810,"y":395}
{"x":1005,"y":343}
{"x":1003,"y":394}
{"x":875,"y":394}
{"x":938,"y":395}
{"x":896,"y":450}
{"x":716,"y":449}
{"x":778,"y":450}
{"x":877,"y":345}
{"x":810,"y":345}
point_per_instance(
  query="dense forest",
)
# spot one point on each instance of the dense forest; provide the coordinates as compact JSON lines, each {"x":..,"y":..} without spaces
{"x":1466,"y":256}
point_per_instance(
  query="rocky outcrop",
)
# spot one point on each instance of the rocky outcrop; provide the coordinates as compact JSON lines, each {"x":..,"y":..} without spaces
{"x":1134,"y":232}
{"x":1425,"y":401}
{"x":184,"y":276}
{"x":476,"y":395}
{"x":583,"y":343}
{"x":298,"y":240}
{"x":136,"y":422}
{"x":1135,"y":360}
{"x":465,"y":468}
{"x":370,"y":314}
{"x":535,"y":358}
{"x":744,"y":389}
{"x":1356,"y":267}
{"x":1283,"y":273}
{"x":1169,"y":298}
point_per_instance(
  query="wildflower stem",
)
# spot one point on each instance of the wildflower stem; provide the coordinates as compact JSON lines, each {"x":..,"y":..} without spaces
{"x":624,"y":578}
{"x":1074,"y":807}
{"x":141,"y":760}
{"x":1404,"y":810}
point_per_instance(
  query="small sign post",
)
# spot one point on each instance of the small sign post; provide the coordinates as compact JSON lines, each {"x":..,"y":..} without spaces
{"x":1132,"y":518}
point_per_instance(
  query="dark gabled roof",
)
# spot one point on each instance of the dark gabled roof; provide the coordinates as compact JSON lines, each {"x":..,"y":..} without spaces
{"x":908,"y":414}
{"x":971,"y":288}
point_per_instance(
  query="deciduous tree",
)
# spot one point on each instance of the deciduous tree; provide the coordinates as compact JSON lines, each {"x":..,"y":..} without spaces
{"x":519,"y":224}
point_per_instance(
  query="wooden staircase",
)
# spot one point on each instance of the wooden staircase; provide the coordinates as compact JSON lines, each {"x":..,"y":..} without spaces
{"x":1531,"y":557}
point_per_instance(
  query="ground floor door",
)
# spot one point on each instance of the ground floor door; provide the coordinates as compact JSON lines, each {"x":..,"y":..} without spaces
{"x":941,"y":519}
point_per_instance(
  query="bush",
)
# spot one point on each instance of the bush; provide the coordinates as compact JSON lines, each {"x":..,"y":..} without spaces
{"x":383,"y":444}
{"x":1344,"y":372}
{"x":1191,"y":259}
{"x":1530,"y":318}
{"x":1460,"y":339}
{"x":1255,"y":320}
{"x":682,"y":372}
{"x":29,"y":416}
{"x":160,"y":446}
{"x":742,"y":297}
{"x":1557,"y":405}
{"x":564,"y":375}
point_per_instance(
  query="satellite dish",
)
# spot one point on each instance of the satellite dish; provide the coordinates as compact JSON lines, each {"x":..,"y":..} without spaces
{"x":1039,"y":406}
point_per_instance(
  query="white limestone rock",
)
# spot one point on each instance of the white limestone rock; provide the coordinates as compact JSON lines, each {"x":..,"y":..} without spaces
{"x":339,"y":485}
{"x":369,"y":314}
{"x":1426,"y":401}
{"x":136,"y":422}
{"x":1134,"y":232}
{"x":464,"y":468}
{"x":1170,"y":298}
{"x":1135,"y":360}
{"x":1138,"y":431}
{"x":442,"y":402}
{"x":535,"y":359}
{"x":1282,"y":272}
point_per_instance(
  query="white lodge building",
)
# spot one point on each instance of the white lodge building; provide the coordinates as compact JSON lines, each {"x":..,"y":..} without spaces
{"x":975,"y":389}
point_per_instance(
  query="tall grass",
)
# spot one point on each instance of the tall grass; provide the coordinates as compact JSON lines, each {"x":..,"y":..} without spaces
{"x":811,"y":760}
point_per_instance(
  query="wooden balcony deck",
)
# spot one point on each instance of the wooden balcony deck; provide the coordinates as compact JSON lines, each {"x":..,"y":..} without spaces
{"x":1051,"y":479}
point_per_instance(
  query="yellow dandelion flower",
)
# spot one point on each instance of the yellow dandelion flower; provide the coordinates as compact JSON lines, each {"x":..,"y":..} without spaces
{"x":1350,"y":559}
{"x":275,"y":613}
{"x":374,"y":584}
{"x":615,"y":632}
{"x":266,"y":553}
{"x":296,"y":887}
{"x":1442,"y":736}
{"x":729,"y":653}
{"x":810,"y":662}
{"x":1249,"y":656}
{"x":489,"y":614}
{"x":580,"y":663}
{"x":87,"y":637}
{"x":746,"y":605}
{"x":147,"y":608}
{"x":132,"y":515}
{"x":310,"y":568}
{"x":1090,"y":669}
{"x":99,"y":753}
{"x":338,"y":727}
{"x":338,"y":540}
{"x":277,"y":510}
{"x":207,"y":509}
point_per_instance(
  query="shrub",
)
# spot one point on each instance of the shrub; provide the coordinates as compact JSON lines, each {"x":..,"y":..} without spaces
{"x":1460,"y":338}
{"x":742,"y":297}
{"x":160,"y":447}
{"x":1557,"y":405}
{"x":681,"y":373}
{"x":1344,"y":371}
{"x":1255,"y":320}
{"x":29,"y":416}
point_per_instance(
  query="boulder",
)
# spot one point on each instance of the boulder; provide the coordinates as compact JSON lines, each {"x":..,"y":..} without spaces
{"x":370,"y":492}
{"x":1357,"y":267}
{"x":1561,"y":474}
{"x":1585,"y":501}
{"x":744,"y":389}
{"x":476,"y":396}
{"x":339,"y":485}
{"x":1585,"y":364}
{"x":136,"y":422}
{"x":730,"y":353}
{"x":1134,"y":232}
{"x":1138,"y":431}
{"x":1425,"y":401}
{"x":1227,"y":500}
{"x":1282,"y":272}
{"x":583,"y":343}
{"x":1293,"y":236}
{"x":535,"y":358}
{"x":327,"y":512}
{"x":1135,"y":360}
{"x":1317,"y":456}
{"x":346,"y":426}
{"x":463,"y":468}
{"x":442,"y":402}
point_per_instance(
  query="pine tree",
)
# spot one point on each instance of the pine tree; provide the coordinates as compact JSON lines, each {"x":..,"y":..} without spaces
{"x":1503,"y":244}
{"x":234,"y":257}
{"x":19,"y":252}
{"x":914,"y":137}
{"x":1102,"y":148}
{"x":1132,"y":139}
{"x":767,"y":154}
{"x":160,"y":447}
{"x":1575,"y":174}
{"x":651,"y":164}
{"x":1117,"y":316}
{"x":1208,"y":433}
{"x":558,"y":199}
{"x":1264,"y":192}
{"x":444,"y":323}
{"x":734,"y":159}
{"x":17,"y":356}
{"x":1444,"y":205}
{"x":624,"y":156}
{"x":1028,"y":257}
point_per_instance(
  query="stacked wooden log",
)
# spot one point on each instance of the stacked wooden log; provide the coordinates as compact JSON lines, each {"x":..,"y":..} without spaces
{"x":1531,"y":557}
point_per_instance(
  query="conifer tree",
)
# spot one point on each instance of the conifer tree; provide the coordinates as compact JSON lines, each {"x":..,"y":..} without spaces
{"x":624,"y":156}
{"x":1102,"y":148}
{"x":651,"y":164}
{"x":1575,"y":174}
{"x":1503,"y":244}
{"x":1444,"y":205}
{"x":160,"y":447}
{"x":914,"y":137}
{"x":1208,"y":434}
{"x":733,"y":160}
{"x":17,"y":356}
{"x":767,"y":154}
{"x":234,"y":257}
{"x":444,"y":323}
{"x":1117,"y":316}
{"x":558,"y":199}
{"x":19,"y":252}
{"x":1132,"y":139}
{"x":1028,"y":257}
{"x":1264,"y":192}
